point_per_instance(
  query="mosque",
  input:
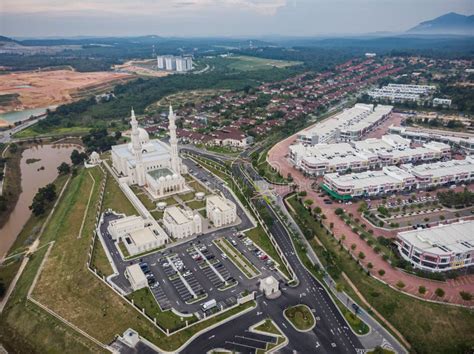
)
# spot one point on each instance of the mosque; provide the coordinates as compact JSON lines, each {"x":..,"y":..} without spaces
{"x":151,"y":164}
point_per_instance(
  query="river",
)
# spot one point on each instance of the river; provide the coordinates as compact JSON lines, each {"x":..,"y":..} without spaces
{"x":33,"y":177}
{"x":16,"y":116}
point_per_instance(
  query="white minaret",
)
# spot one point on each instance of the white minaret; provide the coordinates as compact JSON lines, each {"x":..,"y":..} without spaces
{"x":175,"y":165}
{"x":137,"y":151}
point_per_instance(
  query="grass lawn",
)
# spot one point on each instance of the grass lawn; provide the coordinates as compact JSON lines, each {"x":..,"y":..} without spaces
{"x":157,"y":214}
{"x":300,"y":317}
{"x":430,"y":328}
{"x":187,"y":196}
{"x":100,"y":260}
{"x":196,"y":204}
{"x":115,"y":199}
{"x":356,"y":323}
{"x":247,"y":63}
{"x":166,"y":319}
{"x":123,"y":249}
{"x":268,"y":327}
{"x":30,"y":132}
{"x":198,"y":187}
{"x":203,"y":212}
{"x":169,"y":201}
{"x":8,"y":271}
{"x":147,"y":202}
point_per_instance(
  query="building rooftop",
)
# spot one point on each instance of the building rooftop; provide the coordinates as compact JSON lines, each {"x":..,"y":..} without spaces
{"x":389,"y":175}
{"x":442,"y":239}
{"x":141,"y":237}
{"x":160,"y":172}
{"x":443,"y":168}
{"x":178,"y":215}
{"x":136,"y":273}
{"x":221,"y":203}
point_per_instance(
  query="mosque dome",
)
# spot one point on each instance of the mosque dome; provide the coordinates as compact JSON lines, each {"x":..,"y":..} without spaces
{"x":161,"y":179}
{"x":175,"y":176}
{"x":168,"y":178}
{"x":143,"y":136}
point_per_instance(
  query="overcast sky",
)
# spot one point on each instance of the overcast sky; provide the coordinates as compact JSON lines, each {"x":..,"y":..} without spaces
{"x":64,"y":18}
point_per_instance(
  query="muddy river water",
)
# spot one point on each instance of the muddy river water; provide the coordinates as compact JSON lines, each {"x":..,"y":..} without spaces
{"x":33,"y":176}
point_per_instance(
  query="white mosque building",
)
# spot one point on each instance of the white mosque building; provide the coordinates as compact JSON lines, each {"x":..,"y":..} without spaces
{"x":151,"y":164}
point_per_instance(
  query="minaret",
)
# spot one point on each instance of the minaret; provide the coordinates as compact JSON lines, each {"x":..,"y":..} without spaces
{"x":175,"y":165}
{"x":137,"y":151}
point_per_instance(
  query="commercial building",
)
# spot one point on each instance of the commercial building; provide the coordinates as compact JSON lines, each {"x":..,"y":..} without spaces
{"x":442,"y":173}
{"x":440,"y":248}
{"x":402,"y":93}
{"x":136,"y":277}
{"x":390,"y":179}
{"x":394,"y":179}
{"x":461,"y":140}
{"x":317,"y":160}
{"x":138,"y":235}
{"x":348,"y":125}
{"x":220,"y":211}
{"x":180,"y":223}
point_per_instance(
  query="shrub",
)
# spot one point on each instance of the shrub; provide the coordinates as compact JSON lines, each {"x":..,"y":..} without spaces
{"x":377,"y":249}
{"x":385,"y":257}
{"x":381,"y":272}
{"x":466,"y":296}
{"x":422,"y":290}
{"x":439,"y":292}
{"x":400,"y":284}
{"x":303,"y":194}
{"x":370,"y":265}
{"x":339,"y":211}
{"x":361,"y":255}
{"x":381,"y":223}
{"x":353,"y":246}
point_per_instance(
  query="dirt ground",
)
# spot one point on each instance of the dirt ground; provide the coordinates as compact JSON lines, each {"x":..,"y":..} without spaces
{"x":39,"y":89}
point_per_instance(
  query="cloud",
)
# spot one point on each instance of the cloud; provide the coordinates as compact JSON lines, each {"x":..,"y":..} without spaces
{"x":137,"y":7}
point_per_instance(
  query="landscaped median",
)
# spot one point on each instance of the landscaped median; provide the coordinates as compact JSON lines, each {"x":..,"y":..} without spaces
{"x":300,"y":317}
{"x":269,"y":328}
{"x":237,"y":258}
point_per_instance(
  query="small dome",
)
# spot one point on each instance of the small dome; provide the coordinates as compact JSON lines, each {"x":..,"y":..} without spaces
{"x":143,"y":136}
{"x":94,"y":155}
{"x":168,"y":178}
{"x":161,"y":179}
{"x":175,"y":176}
{"x":269,"y":281}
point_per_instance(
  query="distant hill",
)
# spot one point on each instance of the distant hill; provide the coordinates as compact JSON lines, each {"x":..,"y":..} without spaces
{"x":6,"y":40}
{"x":451,"y":23}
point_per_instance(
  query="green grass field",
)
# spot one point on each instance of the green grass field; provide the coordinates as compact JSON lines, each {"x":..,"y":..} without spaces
{"x":301,"y":317}
{"x":31,"y":133}
{"x":247,"y":63}
{"x":115,"y":199}
{"x":429,"y":327}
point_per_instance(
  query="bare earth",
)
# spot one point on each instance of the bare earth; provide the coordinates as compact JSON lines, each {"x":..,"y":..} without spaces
{"x":54,"y":87}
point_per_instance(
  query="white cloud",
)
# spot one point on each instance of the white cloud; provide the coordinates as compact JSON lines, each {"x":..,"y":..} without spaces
{"x":145,"y":7}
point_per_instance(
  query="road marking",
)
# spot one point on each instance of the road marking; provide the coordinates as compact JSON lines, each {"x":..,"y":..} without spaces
{"x":211,"y":336}
{"x":284,"y":325}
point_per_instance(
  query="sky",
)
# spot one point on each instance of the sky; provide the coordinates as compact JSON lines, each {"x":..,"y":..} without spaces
{"x":197,"y":18}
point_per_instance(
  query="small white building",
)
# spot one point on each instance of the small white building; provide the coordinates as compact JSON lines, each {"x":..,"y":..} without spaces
{"x":136,"y":277}
{"x":137,"y":234}
{"x":220,"y":211}
{"x":270,"y":287}
{"x":94,"y":159}
{"x":180,"y":223}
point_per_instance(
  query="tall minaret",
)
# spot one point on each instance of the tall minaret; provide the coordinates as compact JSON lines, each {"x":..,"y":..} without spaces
{"x":137,"y":151}
{"x":175,"y":165}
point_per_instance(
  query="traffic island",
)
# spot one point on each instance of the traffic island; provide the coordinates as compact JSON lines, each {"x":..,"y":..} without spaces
{"x":300,"y":317}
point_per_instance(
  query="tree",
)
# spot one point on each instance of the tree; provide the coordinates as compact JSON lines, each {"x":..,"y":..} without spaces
{"x":422,"y":289}
{"x":317,"y":210}
{"x":78,"y":157}
{"x":361,"y":255}
{"x":439,"y":292}
{"x":381,"y":272}
{"x":353,"y":246}
{"x":370,"y":265}
{"x":400,"y":284}
{"x":465,"y":295}
{"x":64,"y":168}
{"x":339,"y":211}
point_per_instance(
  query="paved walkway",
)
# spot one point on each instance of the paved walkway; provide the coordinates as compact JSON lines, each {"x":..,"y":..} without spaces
{"x":277,"y":158}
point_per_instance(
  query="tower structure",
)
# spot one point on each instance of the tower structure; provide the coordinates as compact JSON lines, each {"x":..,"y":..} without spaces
{"x":137,"y":151}
{"x":175,"y":165}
